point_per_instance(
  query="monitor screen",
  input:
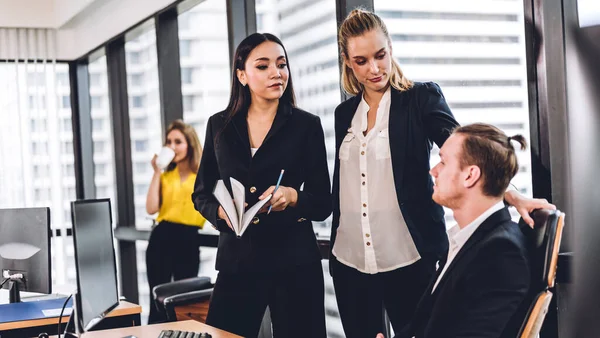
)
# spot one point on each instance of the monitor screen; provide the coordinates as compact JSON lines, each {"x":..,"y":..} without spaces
{"x":25,"y":247}
{"x":97,"y":292}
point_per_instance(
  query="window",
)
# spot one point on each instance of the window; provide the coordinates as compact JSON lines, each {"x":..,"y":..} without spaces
{"x":136,"y":79}
{"x":66,"y":125}
{"x":188,"y":103}
{"x":206,"y":89}
{"x":68,"y":170}
{"x":97,"y":124}
{"x":471,"y":82}
{"x":185,"y":47}
{"x":37,"y":103}
{"x":99,"y":147}
{"x":41,"y":171}
{"x":39,"y":148}
{"x":23,"y":99}
{"x":141,"y":145}
{"x":134,"y":57}
{"x":141,"y":189}
{"x":66,"y":102}
{"x":186,"y":75}
{"x":138,"y":101}
{"x":41,"y":194}
{"x":96,"y":102}
{"x":145,"y":120}
{"x":39,"y":125}
{"x":67,"y":147}
{"x":102,"y":148}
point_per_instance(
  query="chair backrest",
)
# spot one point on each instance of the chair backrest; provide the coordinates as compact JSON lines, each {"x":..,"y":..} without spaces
{"x":190,"y":305}
{"x":163,"y":291}
{"x":535,"y":316}
{"x":544,"y":240}
{"x":544,"y":244}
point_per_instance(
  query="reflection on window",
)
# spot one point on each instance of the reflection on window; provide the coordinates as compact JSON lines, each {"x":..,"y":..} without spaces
{"x":40,"y":171}
{"x":308,"y":30}
{"x":101,"y":132}
{"x":204,"y":62}
{"x":475,"y":50}
{"x":144,"y":105}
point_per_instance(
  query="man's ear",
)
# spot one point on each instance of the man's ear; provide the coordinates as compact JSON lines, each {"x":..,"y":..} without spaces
{"x":241,"y":75}
{"x":473,"y":176}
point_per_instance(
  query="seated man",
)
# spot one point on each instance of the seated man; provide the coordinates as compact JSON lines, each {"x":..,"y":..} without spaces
{"x":486,"y":275}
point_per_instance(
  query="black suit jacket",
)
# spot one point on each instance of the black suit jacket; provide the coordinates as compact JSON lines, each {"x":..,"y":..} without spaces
{"x":295,"y":143}
{"x":482,"y":290}
{"x":418,"y":117}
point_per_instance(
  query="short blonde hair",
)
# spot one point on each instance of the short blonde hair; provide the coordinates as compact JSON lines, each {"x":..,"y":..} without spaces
{"x":359,"y":22}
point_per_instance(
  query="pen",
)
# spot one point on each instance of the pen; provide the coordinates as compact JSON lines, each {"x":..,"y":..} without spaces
{"x":276,"y":187}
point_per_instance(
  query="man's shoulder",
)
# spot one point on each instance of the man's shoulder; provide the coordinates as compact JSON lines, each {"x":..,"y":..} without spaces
{"x":506,"y":236}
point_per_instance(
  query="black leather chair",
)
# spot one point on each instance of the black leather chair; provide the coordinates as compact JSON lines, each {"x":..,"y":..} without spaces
{"x":184,"y":299}
{"x":544,"y":239}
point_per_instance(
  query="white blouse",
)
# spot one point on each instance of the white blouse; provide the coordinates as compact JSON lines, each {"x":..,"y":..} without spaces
{"x":372,"y":236}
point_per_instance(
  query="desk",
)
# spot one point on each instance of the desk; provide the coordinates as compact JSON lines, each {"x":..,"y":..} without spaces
{"x":28,"y":323}
{"x":153,"y":331}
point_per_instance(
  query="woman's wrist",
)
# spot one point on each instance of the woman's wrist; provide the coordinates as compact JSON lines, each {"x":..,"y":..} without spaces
{"x":293,"y":197}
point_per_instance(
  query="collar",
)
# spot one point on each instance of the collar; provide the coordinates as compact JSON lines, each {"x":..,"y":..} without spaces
{"x":458,"y":237}
{"x":363,"y":109}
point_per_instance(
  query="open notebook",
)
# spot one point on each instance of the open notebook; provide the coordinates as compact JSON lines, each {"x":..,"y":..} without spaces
{"x":234,"y":207}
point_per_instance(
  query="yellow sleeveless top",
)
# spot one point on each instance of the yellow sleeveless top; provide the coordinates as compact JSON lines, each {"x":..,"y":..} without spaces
{"x":176,"y":203}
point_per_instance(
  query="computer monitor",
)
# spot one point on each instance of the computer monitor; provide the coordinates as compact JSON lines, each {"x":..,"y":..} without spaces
{"x":25,"y":251}
{"x":97,"y":292}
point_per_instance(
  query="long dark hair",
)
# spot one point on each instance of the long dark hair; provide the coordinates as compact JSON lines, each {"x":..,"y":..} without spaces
{"x":239,"y":99}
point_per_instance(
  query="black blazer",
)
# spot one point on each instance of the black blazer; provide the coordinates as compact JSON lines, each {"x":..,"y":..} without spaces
{"x":418,"y":117}
{"x":482,"y":289}
{"x":295,"y":143}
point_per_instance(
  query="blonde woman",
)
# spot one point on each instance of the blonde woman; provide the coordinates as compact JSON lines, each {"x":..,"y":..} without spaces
{"x":173,"y":249}
{"x":387,"y":232}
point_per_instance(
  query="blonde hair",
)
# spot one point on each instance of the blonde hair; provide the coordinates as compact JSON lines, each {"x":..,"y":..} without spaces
{"x":194,"y":153}
{"x":359,"y":22}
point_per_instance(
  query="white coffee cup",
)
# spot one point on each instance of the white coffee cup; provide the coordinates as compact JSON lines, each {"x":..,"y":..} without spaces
{"x":165,"y":156}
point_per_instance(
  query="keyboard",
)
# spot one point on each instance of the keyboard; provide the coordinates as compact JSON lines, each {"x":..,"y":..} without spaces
{"x":183,"y":334}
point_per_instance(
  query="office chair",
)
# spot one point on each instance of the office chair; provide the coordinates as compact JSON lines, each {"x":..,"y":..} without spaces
{"x":544,"y":240}
{"x":184,"y":299}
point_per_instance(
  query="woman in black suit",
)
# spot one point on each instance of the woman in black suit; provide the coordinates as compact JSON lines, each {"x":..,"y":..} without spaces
{"x":277,"y":261}
{"x":387,"y":233}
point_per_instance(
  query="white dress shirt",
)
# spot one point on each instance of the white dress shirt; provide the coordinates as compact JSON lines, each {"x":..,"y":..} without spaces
{"x":458,"y":237}
{"x":372,"y":236}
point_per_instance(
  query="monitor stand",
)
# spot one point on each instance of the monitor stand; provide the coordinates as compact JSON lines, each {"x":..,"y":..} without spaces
{"x":74,"y":320}
{"x":14,"y":291}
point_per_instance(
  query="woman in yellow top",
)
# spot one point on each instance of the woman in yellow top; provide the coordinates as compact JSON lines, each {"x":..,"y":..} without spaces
{"x":173,"y":249}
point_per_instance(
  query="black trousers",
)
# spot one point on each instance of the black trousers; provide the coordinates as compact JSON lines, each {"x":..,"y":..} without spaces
{"x":172,"y":254}
{"x":362,"y":297}
{"x":295,"y":296}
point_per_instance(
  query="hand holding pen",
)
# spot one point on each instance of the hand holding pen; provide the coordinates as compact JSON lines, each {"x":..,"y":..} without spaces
{"x":282,"y":196}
